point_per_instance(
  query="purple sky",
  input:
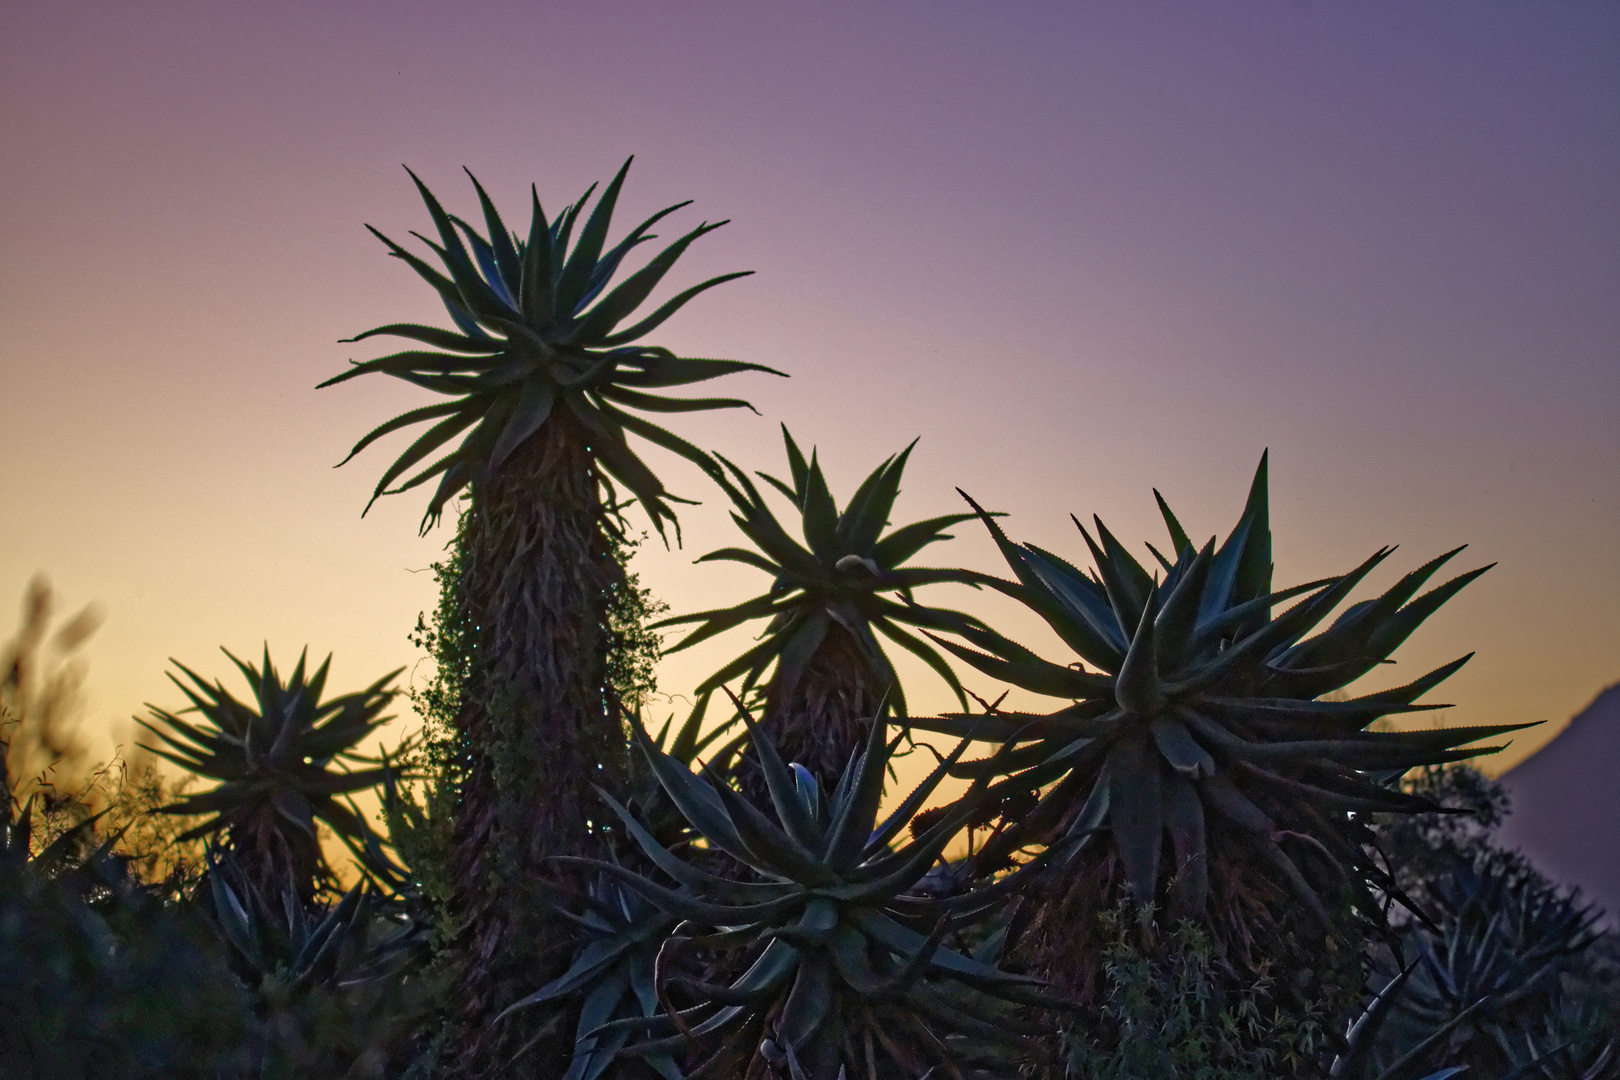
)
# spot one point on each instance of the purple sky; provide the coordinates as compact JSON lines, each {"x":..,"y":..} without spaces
{"x":1081,"y":249}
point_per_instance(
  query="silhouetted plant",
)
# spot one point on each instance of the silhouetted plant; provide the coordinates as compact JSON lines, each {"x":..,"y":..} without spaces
{"x":550,"y":377}
{"x":102,"y":975}
{"x":334,"y":991}
{"x":829,"y":601}
{"x":273,"y":761}
{"x":1505,"y":973}
{"x":1199,"y":768}
{"x":1187,"y":873}
{"x":848,"y":969}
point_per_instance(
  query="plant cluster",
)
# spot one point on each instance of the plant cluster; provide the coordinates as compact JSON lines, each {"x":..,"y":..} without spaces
{"x":130,"y":950}
{"x":1202,"y":861}
{"x":1495,"y":970}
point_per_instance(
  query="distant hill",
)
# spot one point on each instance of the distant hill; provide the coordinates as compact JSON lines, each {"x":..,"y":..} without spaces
{"x":1566,"y":804}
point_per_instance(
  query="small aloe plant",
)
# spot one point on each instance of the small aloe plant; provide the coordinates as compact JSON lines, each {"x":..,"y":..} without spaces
{"x":820,"y":667}
{"x":849,"y":967}
{"x":335,"y":991}
{"x":614,"y":975}
{"x":275,"y":763}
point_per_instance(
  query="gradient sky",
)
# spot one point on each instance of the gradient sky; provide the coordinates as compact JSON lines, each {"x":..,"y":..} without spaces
{"x":1083,"y":250}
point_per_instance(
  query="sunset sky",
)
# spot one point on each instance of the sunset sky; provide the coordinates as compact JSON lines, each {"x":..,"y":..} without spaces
{"x":1082,"y":249}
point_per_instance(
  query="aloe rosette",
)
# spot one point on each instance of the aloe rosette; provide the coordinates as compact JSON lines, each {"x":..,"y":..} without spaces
{"x":281,"y":764}
{"x":540,"y":335}
{"x":1484,"y":981}
{"x":613,"y":977}
{"x":819,"y":667}
{"x":1198,"y":725}
{"x":850,"y":967}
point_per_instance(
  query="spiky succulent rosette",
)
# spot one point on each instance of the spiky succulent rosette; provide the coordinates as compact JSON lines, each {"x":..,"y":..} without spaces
{"x":613,"y":975}
{"x":848,"y":966}
{"x":819,"y":667}
{"x":274,"y":760}
{"x":1494,"y":964}
{"x":619,"y":932}
{"x":275,"y":940}
{"x":539,"y":337}
{"x":1198,"y":727}
{"x":338,"y":991}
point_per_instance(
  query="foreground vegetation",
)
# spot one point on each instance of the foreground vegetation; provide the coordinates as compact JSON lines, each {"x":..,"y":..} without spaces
{"x":1209,"y":859}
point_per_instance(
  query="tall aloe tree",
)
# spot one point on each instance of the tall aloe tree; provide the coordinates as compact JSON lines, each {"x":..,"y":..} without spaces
{"x":547,"y":377}
{"x":1199,"y":765}
{"x":830,"y":598}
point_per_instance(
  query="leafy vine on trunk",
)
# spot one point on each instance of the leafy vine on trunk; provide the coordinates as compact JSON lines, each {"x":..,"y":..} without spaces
{"x":521,"y":719}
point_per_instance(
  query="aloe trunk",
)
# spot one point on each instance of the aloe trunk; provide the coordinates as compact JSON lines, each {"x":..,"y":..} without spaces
{"x":824,"y":719}
{"x":1265,"y":944}
{"x":536,"y":732}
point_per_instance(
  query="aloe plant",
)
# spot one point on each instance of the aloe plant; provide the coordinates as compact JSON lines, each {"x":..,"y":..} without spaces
{"x":1359,"y":1059}
{"x":1194,"y":701}
{"x":1569,"y":1044}
{"x":819,"y":667}
{"x":539,"y":340}
{"x":104,"y":975}
{"x":849,"y":970}
{"x":1198,"y":766}
{"x":613,"y":975}
{"x":1489,"y":973}
{"x":278,"y":946}
{"x":547,"y":373}
{"x":281,"y":766}
{"x":334,"y":990}
{"x":1498,"y":944}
